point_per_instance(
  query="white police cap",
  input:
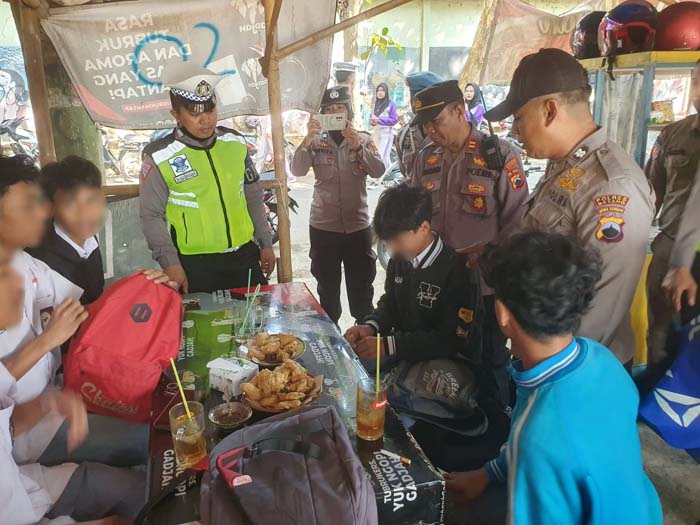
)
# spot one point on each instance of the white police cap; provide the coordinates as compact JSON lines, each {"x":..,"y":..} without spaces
{"x":191,"y":82}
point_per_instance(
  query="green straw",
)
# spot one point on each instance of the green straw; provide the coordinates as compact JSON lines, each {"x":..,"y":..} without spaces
{"x":379,"y":342}
{"x":250,"y":271}
{"x":250,"y":307}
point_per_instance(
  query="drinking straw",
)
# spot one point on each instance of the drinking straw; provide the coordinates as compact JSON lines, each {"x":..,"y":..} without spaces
{"x":250,"y":307}
{"x":379,"y":342}
{"x":247,"y":295}
{"x":182,"y":392}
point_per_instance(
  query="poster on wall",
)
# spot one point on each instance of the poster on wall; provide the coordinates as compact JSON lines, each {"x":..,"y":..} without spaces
{"x":16,"y":120}
{"x":117,"y":60}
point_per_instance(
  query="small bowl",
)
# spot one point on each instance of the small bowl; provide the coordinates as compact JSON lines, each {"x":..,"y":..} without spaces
{"x":228,"y":416}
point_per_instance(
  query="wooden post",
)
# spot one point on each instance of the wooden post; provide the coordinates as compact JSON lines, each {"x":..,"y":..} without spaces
{"x":28,"y":24}
{"x":284,"y":268}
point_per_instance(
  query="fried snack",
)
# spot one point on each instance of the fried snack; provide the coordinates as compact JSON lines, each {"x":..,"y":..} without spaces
{"x":293,"y":347}
{"x":285,"y":388}
{"x":261,"y":339}
{"x":254,"y":351}
{"x":252,"y":391}
{"x":270,"y":348}
{"x":269,"y":401}
{"x":287,"y":405}
{"x":291,"y":396}
{"x":269,"y":382}
{"x":285,"y":339}
{"x":297,"y":372}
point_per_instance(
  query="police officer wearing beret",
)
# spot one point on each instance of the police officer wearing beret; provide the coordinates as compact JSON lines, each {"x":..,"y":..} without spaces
{"x":592,"y":188}
{"x":473,"y":199}
{"x":339,"y":230}
{"x":671,"y":170}
{"x":411,"y":138}
{"x":201,"y":182}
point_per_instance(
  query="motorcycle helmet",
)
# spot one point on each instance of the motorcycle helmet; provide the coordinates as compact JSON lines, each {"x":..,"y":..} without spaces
{"x":628,"y":28}
{"x":584,"y":39}
{"x":679,"y":27}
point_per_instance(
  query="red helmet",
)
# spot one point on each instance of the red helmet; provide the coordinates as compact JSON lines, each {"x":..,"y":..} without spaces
{"x":679,"y":27}
{"x":628,"y":28}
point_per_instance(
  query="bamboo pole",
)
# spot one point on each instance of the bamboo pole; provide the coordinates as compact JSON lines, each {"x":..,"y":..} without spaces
{"x":284,"y":268}
{"x":29,"y":28}
{"x":331,"y":30}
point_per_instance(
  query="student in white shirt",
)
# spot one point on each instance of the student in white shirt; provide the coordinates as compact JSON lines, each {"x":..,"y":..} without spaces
{"x":52,"y":314}
{"x":32,"y":493}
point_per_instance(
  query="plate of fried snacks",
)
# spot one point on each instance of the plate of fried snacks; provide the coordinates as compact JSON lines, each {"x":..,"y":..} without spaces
{"x":287,"y":387}
{"x":270,"y":350}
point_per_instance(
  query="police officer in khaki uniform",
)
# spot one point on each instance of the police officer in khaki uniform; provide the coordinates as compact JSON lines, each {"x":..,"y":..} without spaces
{"x":411,"y":138}
{"x":671,"y":171}
{"x":472,"y":200}
{"x":592,"y":188}
{"x":679,"y":280}
{"x":340,"y":231}
{"x":201,"y":201}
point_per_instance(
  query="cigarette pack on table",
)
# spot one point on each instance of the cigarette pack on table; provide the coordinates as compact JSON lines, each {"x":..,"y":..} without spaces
{"x":227,"y":374}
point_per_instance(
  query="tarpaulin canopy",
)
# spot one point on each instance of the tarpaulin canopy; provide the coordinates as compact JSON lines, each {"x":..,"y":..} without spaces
{"x":116,"y":55}
{"x":510,"y":29}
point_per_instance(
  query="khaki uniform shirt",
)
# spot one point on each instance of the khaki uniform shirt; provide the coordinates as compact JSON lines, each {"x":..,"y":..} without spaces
{"x":688,"y":236}
{"x":340,"y":192}
{"x":600,"y":195}
{"x":472,"y":204}
{"x":409,"y":142}
{"x":671,"y":170}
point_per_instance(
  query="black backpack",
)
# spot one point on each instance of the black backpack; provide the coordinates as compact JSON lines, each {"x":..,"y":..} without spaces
{"x":297,"y":468}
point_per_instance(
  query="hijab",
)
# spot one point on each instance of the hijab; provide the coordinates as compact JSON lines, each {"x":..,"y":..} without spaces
{"x":380,"y":105}
{"x":473,"y":103}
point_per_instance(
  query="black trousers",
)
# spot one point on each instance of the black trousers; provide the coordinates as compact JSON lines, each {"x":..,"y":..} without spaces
{"x":352,"y":251}
{"x":495,"y":354}
{"x":221,"y":271}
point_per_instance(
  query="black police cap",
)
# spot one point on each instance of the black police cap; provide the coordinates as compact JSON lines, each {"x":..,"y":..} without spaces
{"x":428,"y":104}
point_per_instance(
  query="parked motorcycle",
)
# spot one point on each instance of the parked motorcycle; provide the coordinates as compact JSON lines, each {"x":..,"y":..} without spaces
{"x":271,"y":207}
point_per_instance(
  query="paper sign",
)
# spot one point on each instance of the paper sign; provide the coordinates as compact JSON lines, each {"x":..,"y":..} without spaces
{"x":332,"y":122}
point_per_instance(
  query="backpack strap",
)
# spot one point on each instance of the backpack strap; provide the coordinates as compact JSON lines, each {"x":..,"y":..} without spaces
{"x":169,"y":489}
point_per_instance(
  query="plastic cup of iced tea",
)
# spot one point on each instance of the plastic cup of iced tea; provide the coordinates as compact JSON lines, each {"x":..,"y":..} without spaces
{"x":371,"y":409}
{"x":188,"y":433}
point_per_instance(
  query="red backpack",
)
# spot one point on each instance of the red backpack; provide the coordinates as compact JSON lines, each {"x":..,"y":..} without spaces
{"x":117,"y":356}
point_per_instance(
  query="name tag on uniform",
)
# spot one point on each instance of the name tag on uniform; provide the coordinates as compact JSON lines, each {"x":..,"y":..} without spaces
{"x":182,"y":169}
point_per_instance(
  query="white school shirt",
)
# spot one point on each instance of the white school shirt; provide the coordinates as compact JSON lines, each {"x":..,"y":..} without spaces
{"x":84,"y":251}
{"x":28,"y":492}
{"x":44,"y":289}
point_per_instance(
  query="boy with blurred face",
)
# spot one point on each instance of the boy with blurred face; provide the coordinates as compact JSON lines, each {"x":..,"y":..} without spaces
{"x":30,"y":492}
{"x":74,"y":189}
{"x":430,"y":298}
{"x":573,"y":455}
{"x":52,"y":313}
{"x":339,"y":229}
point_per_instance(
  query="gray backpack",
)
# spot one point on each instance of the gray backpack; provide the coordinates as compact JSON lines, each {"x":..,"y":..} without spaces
{"x":292,"y":469}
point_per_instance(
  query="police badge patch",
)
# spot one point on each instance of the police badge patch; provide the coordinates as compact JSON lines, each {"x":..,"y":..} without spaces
{"x":182,"y":169}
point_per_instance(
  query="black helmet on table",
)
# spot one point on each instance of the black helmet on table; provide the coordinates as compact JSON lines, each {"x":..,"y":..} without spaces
{"x":584,"y":39}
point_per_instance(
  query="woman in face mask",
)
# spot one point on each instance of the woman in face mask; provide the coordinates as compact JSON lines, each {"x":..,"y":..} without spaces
{"x":475,"y":109}
{"x":383,"y":119}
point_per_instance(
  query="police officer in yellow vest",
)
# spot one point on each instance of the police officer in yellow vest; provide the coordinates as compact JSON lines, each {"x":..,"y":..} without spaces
{"x":201,"y":202}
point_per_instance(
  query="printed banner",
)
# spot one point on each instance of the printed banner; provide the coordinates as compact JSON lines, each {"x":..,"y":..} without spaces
{"x":519,"y":29}
{"x":116,"y":61}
